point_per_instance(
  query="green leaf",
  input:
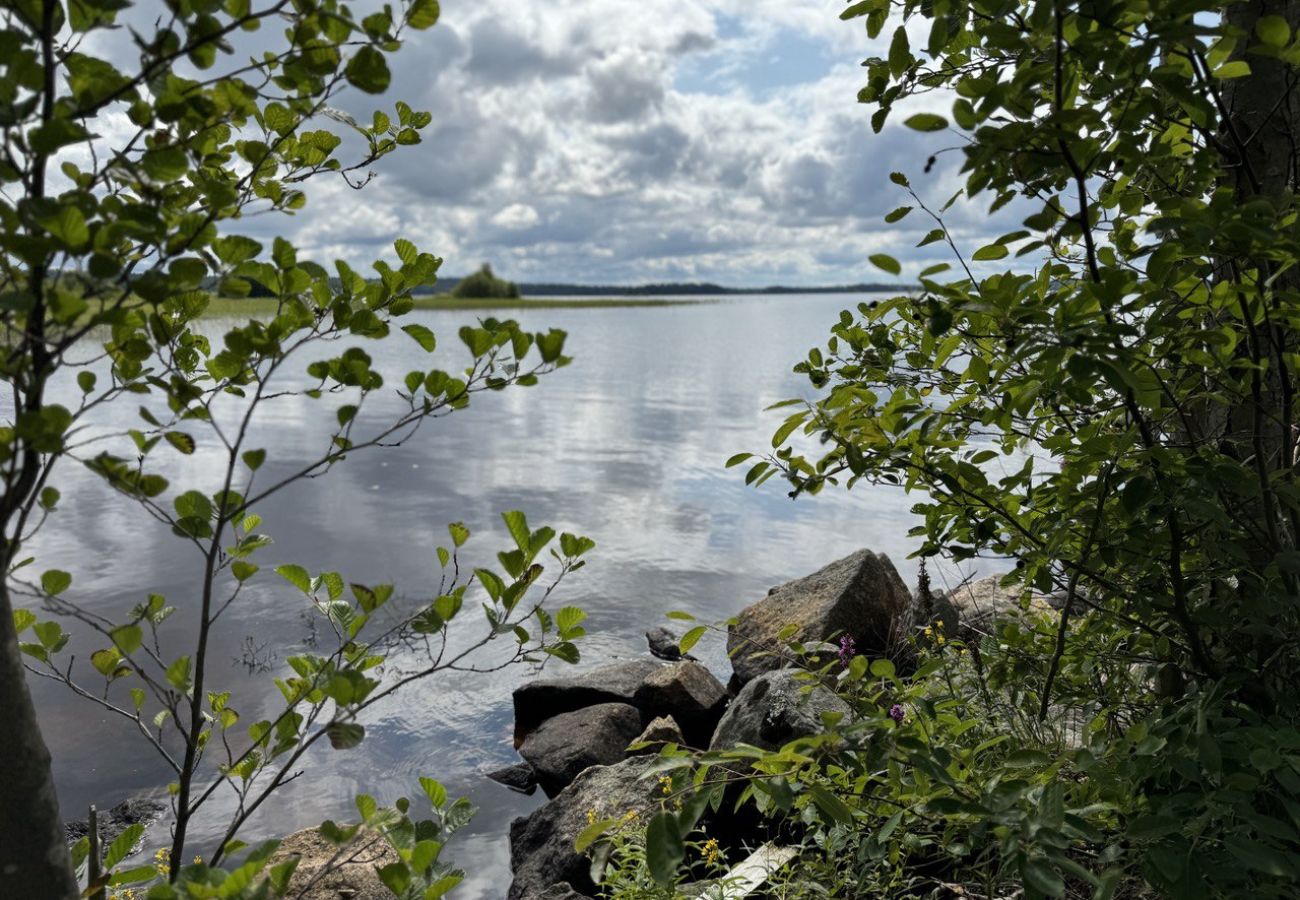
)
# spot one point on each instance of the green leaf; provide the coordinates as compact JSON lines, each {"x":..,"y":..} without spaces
{"x":122,"y":846}
{"x":1042,"y":877}
{"x":181,"y":441}
{"x":691,"y":638}
{"x":423,"y":14}
{"x":23,"y":619}
{"x":568,"y":618}
{"x":989,"y":252}
{"x":926,"y":122}
{"x":887,"y":263}
{"x":296,"y":576}
{"x":517,"y":525}
{"x":434,"y":790}
{"x":738,"y":459}
{"x":55,"y":582}
{"x":67,"y":224}
{"x":254,"y":459}
{"x":588,"y":835}
{"x":1237,"y":68}
{"x":368,"y":71}
{"x":459,"y":533}
{"x":664,"y":849}
{"x":1022,"y":759}
{"x":422,"y":336}
{"x":127,"y":638}
{"x":1254,"y":854}
{"x":178,"y":675}
{"x":898,"y":214}
{"x":1274,"y":31}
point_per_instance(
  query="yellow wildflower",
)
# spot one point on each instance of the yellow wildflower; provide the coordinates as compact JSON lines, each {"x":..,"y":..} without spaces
{"x":629,"y":815}
{"x":666,"y":784}
{"x":710,"y":851}
{"x":591,"y":817}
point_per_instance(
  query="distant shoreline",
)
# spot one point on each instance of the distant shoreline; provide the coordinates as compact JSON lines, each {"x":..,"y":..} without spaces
{"x":681,"y":289}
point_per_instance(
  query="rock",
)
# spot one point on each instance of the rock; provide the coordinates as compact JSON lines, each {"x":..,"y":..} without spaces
{"x":665,"y":645}
{"x":537,"y":701}
{"x":689,"y":693}
{"x":861,"y":595}
{"x":561,"y":891}
{"x":774,"y":709}
{"x":112,"y":822}
{"x":662,"y":730}
{"x":980,"y":604}
{"x":541,"y":844}
{"x":519,"y":777}
{"x":566,"y":744}
{"x":354,"y":877}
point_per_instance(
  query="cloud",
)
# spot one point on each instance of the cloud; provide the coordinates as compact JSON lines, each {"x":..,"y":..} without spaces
{"x":515,"y":216}
{"x":614,"y":142}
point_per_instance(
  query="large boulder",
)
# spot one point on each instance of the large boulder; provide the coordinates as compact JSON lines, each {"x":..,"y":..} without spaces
{"x":353,"y":873}
{"x":564,"y":745}
{"x":861,"y":596}
{"x":774,"y":709}
{"x":689,"y":693}
{"x":981,"y":604}
{"x":539,"y":700}
{"x":541,"y":844}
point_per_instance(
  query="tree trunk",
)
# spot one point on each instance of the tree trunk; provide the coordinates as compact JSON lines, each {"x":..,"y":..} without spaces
{"x":34,"y":862}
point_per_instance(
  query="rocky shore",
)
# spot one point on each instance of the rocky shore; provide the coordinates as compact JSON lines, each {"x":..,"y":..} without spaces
{"x":591,"y":741}
{"x":574,"y":734}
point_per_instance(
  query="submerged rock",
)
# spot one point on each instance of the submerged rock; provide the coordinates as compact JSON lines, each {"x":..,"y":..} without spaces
{"x":861,"y":596}
{"x":112,"y":822}
{"x":541,"y":844}
{"x":660,"y":731}
{"x":774,"y":709}
{"x":665,"y":645}
{"x":566,"y":744}
{"x":519,"y":777}
{"x":539,"y":700}
{"x":353,"y":876}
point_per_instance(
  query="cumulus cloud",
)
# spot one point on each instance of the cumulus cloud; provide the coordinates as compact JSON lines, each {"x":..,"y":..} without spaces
{"x":615,"y":142}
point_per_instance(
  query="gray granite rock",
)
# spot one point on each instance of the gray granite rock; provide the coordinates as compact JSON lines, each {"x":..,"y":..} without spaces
{"x":689,"y":693}
{"x":539,"y":700}
{"x":861,"y":596}
{"x":565,"y":745}
{"x":541,"y":844}
{"x":660,"y":731}
{"x":774,"y":709}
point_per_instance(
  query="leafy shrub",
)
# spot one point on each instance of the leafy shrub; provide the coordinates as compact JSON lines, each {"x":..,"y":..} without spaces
{"x":484,"y":285}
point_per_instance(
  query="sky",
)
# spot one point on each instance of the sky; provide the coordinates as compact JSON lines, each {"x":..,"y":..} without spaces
{"x":620,"y":142}
{"x":616,"y":142}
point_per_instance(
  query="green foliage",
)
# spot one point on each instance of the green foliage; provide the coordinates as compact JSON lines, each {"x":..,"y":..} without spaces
{"x":484,"y":285}
{"x":1114,"y":416}
{"x":118,"y":242}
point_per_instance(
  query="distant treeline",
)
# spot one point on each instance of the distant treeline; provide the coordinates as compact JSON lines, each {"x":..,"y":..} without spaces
{"x":674,"y":288}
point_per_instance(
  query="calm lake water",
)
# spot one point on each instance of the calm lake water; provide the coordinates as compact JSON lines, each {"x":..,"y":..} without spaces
{"x":626,"y":446}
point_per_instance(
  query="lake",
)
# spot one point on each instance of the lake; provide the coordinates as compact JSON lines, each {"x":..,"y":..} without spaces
{"x":626,"y":445}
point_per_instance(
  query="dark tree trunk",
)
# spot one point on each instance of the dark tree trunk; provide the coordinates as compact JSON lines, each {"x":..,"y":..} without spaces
{"x":34,"y":862}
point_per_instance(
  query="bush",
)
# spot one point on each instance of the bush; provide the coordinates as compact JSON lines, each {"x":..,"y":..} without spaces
{"x":484,"y":285}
